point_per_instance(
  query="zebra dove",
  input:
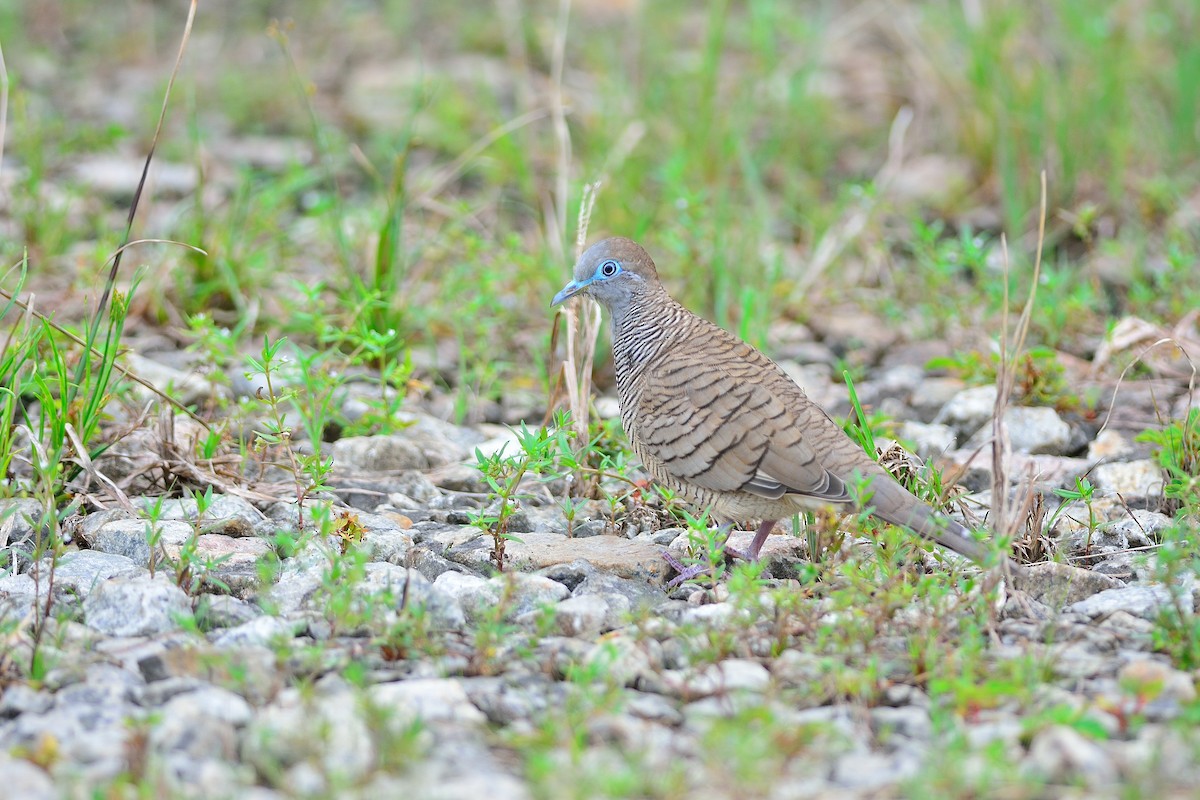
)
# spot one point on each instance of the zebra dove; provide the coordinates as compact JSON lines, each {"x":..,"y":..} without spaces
{"x":722,"y":425}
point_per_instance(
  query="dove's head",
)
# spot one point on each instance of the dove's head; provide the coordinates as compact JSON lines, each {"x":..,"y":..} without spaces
{"x":612,"y":272}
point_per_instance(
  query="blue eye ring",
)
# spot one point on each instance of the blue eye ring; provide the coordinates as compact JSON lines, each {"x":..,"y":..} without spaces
{"x":608,"y":269}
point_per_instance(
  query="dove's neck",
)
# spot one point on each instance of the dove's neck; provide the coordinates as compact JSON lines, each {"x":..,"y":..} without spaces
{"x":643,"y":328}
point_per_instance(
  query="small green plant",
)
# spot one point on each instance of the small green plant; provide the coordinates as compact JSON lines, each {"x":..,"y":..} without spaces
{"x":1040,"y":378}
{"x":503,"y":475}
{"x":1176,"y":566}
{"x":1083,"y":492}
{"x":705,"y":557}
{"x":1176,"y":447}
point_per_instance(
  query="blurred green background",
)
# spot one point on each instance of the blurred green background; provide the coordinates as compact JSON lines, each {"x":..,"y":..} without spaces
{"x":396,"y":172}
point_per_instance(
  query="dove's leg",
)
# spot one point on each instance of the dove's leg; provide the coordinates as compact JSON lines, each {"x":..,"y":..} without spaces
{"x":760,"y":536}
{"x":687,"y":573}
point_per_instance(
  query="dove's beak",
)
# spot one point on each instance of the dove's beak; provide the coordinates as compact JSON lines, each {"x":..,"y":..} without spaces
{"x":570,"y":290}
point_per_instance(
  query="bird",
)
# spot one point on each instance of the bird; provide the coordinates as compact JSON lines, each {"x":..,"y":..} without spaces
{"x":720,"y":424}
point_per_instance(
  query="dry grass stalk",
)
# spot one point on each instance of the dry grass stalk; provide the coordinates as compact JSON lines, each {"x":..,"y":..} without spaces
{"x":1005,"y":523}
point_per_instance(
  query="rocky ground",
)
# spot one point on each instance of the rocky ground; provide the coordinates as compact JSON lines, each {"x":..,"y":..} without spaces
{"x":236,"y":653}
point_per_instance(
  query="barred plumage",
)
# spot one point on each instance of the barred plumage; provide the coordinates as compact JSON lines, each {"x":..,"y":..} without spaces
{"x":718,"y":422}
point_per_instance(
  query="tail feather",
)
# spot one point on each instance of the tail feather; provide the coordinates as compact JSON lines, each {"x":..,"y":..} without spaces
{"x":893,"y":503}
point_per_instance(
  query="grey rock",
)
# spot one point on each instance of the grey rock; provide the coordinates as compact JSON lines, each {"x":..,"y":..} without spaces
{"x":188,"y":388}
{"x":797,"y":668}
{"x":865,"y":771}
{"x":529,"y":519}
{"x":227,"y":563}
{"x":89,"y":720}
{"x":393,"y":546}
{"x":224,"y":611}
{"x":159,"y":692}
{"x":1132,"y":630}
{"x":1061,"y":584}
{"x":430,"y":700}
{"x":581,"y":615}
{"x":18,"y":593}
{"x":571,"y":574}
{"x":1137,"y":482}
{"x":139,"y":606}
{"x":411,"y":588}
{"x":203,"y":776}
{"x":375,"y":454}
{"x":19,"y":518}
{"x":589,"y":527}
{"x":932,"y":394}
{"x":1079,"y":660}
{"x":527,"y":593}
{"x":430,"y":564}
{"x":1144,"y":528}
{"x":459,"y":478}
{"x":264,"y":630}
{"x":443,"y":440}
{"x":20,"y":699}
{"x":627,"y":661}
{"x":730,"y":675}
{"x":997,"y":728}
{"x":1063,"y":755}
{"x":82,"y":570}
{"x":908,"y":722}
{"x":928,"y":439}
{"x":227,"y":514}
{"x":201,"y":724}
{"x":1037,"y":429}
{"x":131,"y":537}
{"x":415,"y":485}
{"x":74,"y":577}
{"x":327,"y":732}
{"x":26,"y":780}
{"x":249,"y":671}
{"x":624,"y":557}
{"x":1140,"y":601}
{"x":476,"y":595}
{"x":625,"y":597}
{"x":211,"y":701}
{"x":513,"y":699}
{"x":1119,"y":566}
{"x":969,"y":409}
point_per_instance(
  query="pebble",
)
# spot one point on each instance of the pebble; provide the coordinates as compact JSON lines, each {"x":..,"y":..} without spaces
{"x":137,"y":606}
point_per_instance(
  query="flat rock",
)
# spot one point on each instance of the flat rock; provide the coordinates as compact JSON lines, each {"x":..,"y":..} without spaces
{"x":226,"y":514}
{"x":730,"y":675}
{"x":928,"y":439}
{"x":969,"y":409}
{"x":233,"y":562}
{"x":188,"y":388}
{"x":1064,"y":755}
{"x":628,"y":558}
{"x":132,"y":537}
{"x":139,"y":606}
{"x":1141,"y":601}
{"x":431,"y":700}
{"x":1037,"y":430}
{"x":1057,"y":584}
{"x":1137,"y":482}
{"x":374,"y":454}
{"x":24,"y":779}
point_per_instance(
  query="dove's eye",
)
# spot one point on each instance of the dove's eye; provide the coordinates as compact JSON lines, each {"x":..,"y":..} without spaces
{"x":609,"y":268}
